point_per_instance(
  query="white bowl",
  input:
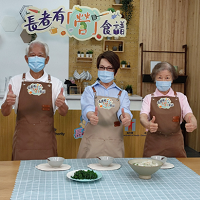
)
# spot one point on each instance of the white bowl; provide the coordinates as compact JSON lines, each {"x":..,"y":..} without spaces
{"x":163,"y":159}
{"x":105,"y":160}
{"x":55,"y":161}
{"x":145,"y":172}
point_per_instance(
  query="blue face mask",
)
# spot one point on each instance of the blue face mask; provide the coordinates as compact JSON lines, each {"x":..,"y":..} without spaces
{"x":106,"y":76}
{"x":36,"y":64}
{"x":163,"y":85}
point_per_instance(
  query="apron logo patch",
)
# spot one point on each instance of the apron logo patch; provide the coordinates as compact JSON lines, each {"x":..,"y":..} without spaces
{"x":165,"y":103}
{"x":106,"y":103}
{"x":35,"y":89}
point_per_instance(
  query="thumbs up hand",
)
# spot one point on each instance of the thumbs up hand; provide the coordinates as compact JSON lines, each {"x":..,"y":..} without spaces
{"x":125,"y":118}
{"x":60,"y":99}
{"x":153,"y":127}
{"x":191,"y":124}
{"x":93,"y":117}
{"x":11,"y":97}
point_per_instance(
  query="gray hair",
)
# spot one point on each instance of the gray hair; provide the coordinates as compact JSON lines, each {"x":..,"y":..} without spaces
{"x":38,"y":42}
{"x":164,"y":66}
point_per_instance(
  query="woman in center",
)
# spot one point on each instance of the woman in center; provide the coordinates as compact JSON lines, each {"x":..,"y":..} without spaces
{"x":106,"y":109}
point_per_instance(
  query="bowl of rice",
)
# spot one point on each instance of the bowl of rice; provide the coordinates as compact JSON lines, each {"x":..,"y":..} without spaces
{"x":145,"y":167}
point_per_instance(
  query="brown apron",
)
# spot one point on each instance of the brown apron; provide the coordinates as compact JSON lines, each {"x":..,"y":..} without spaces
{"x":105,"y":138}
{"x":34,"y":136}
{"x":168,"y":140}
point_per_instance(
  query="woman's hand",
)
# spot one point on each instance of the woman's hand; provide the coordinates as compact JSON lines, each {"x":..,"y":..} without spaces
{"x":125,"y":118}
{"x":153,"y":127}
{"x":191,"y":122}
{"x":92,"y":116}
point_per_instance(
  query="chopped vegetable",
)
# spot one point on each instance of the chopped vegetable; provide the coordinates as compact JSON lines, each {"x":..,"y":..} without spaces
{"x":81,"y":174}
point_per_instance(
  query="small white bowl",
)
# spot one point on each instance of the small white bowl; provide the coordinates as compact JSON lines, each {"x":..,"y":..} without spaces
{"x":163,"y":159}
{"x":55,"y":161}
{"x":105,"y":160}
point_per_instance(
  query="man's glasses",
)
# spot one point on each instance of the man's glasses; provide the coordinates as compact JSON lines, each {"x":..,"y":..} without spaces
{"x":110,"y":69}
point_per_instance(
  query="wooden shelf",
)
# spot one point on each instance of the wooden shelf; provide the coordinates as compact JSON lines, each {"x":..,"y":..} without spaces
{"x":83,"y":59}
{"x":111,"y":43}
{"x":125,"y":68}
{"x":146,"y":78}
{"x":117,"y":4}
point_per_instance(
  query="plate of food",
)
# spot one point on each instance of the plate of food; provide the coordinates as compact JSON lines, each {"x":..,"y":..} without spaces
{"x":84,"y":175}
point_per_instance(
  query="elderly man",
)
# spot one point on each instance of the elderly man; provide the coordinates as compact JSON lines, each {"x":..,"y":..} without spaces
{"x":35,"y":96}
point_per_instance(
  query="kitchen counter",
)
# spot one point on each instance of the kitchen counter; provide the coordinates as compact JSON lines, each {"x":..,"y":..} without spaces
{"x":125,"y":178}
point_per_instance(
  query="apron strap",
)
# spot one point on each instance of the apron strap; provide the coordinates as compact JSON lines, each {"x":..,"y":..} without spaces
{"x":23,"y":76}
{"x":49,"y":78}
{"x":95,"y":93}
{"x":119,"y":94}
{"x":175,"y":94}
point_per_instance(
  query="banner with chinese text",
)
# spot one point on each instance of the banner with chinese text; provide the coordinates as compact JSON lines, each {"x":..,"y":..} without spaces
{"x":81,"y":22}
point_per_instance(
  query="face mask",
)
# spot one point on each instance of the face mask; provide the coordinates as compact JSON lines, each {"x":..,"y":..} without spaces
{"x":36,"y":64}
{"x":106,"y":76}
{"x":163,"y":85}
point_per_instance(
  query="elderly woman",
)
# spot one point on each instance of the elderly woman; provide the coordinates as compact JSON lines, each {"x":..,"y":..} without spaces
{"x":162,"y":112}
{"x":105,"y":108}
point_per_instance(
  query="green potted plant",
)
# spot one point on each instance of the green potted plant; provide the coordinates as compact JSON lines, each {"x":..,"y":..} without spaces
{"x":87,"y":54}
{"x":129,"y":89}
{"x":78,"y":54}
{"x":123,"y":63}
{"x":127,"y":10}
{"x":90,"y":53}
{"x":82,"y":54}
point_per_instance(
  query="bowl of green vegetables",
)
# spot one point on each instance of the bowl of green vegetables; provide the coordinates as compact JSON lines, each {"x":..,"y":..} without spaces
{"x":83,"y":175}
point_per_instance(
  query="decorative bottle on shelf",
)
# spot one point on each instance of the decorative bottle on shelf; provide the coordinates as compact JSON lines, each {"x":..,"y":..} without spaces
{"x":120,"y":47}
{"x":128,"y":65}
{"x":107,"y":48}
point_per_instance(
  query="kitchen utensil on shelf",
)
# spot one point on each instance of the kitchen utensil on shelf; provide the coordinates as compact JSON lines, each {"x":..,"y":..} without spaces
{"x":76,"y":75}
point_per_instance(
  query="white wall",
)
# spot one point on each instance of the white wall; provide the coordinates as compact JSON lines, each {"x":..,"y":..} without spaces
{"x":12,"y":48}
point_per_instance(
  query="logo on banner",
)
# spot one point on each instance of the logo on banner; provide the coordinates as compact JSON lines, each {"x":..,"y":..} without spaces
{"x":81,"y":22}
{"x":35,"y":89}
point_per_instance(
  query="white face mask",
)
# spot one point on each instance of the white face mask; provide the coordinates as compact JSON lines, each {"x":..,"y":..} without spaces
{"x":105,"y":76}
